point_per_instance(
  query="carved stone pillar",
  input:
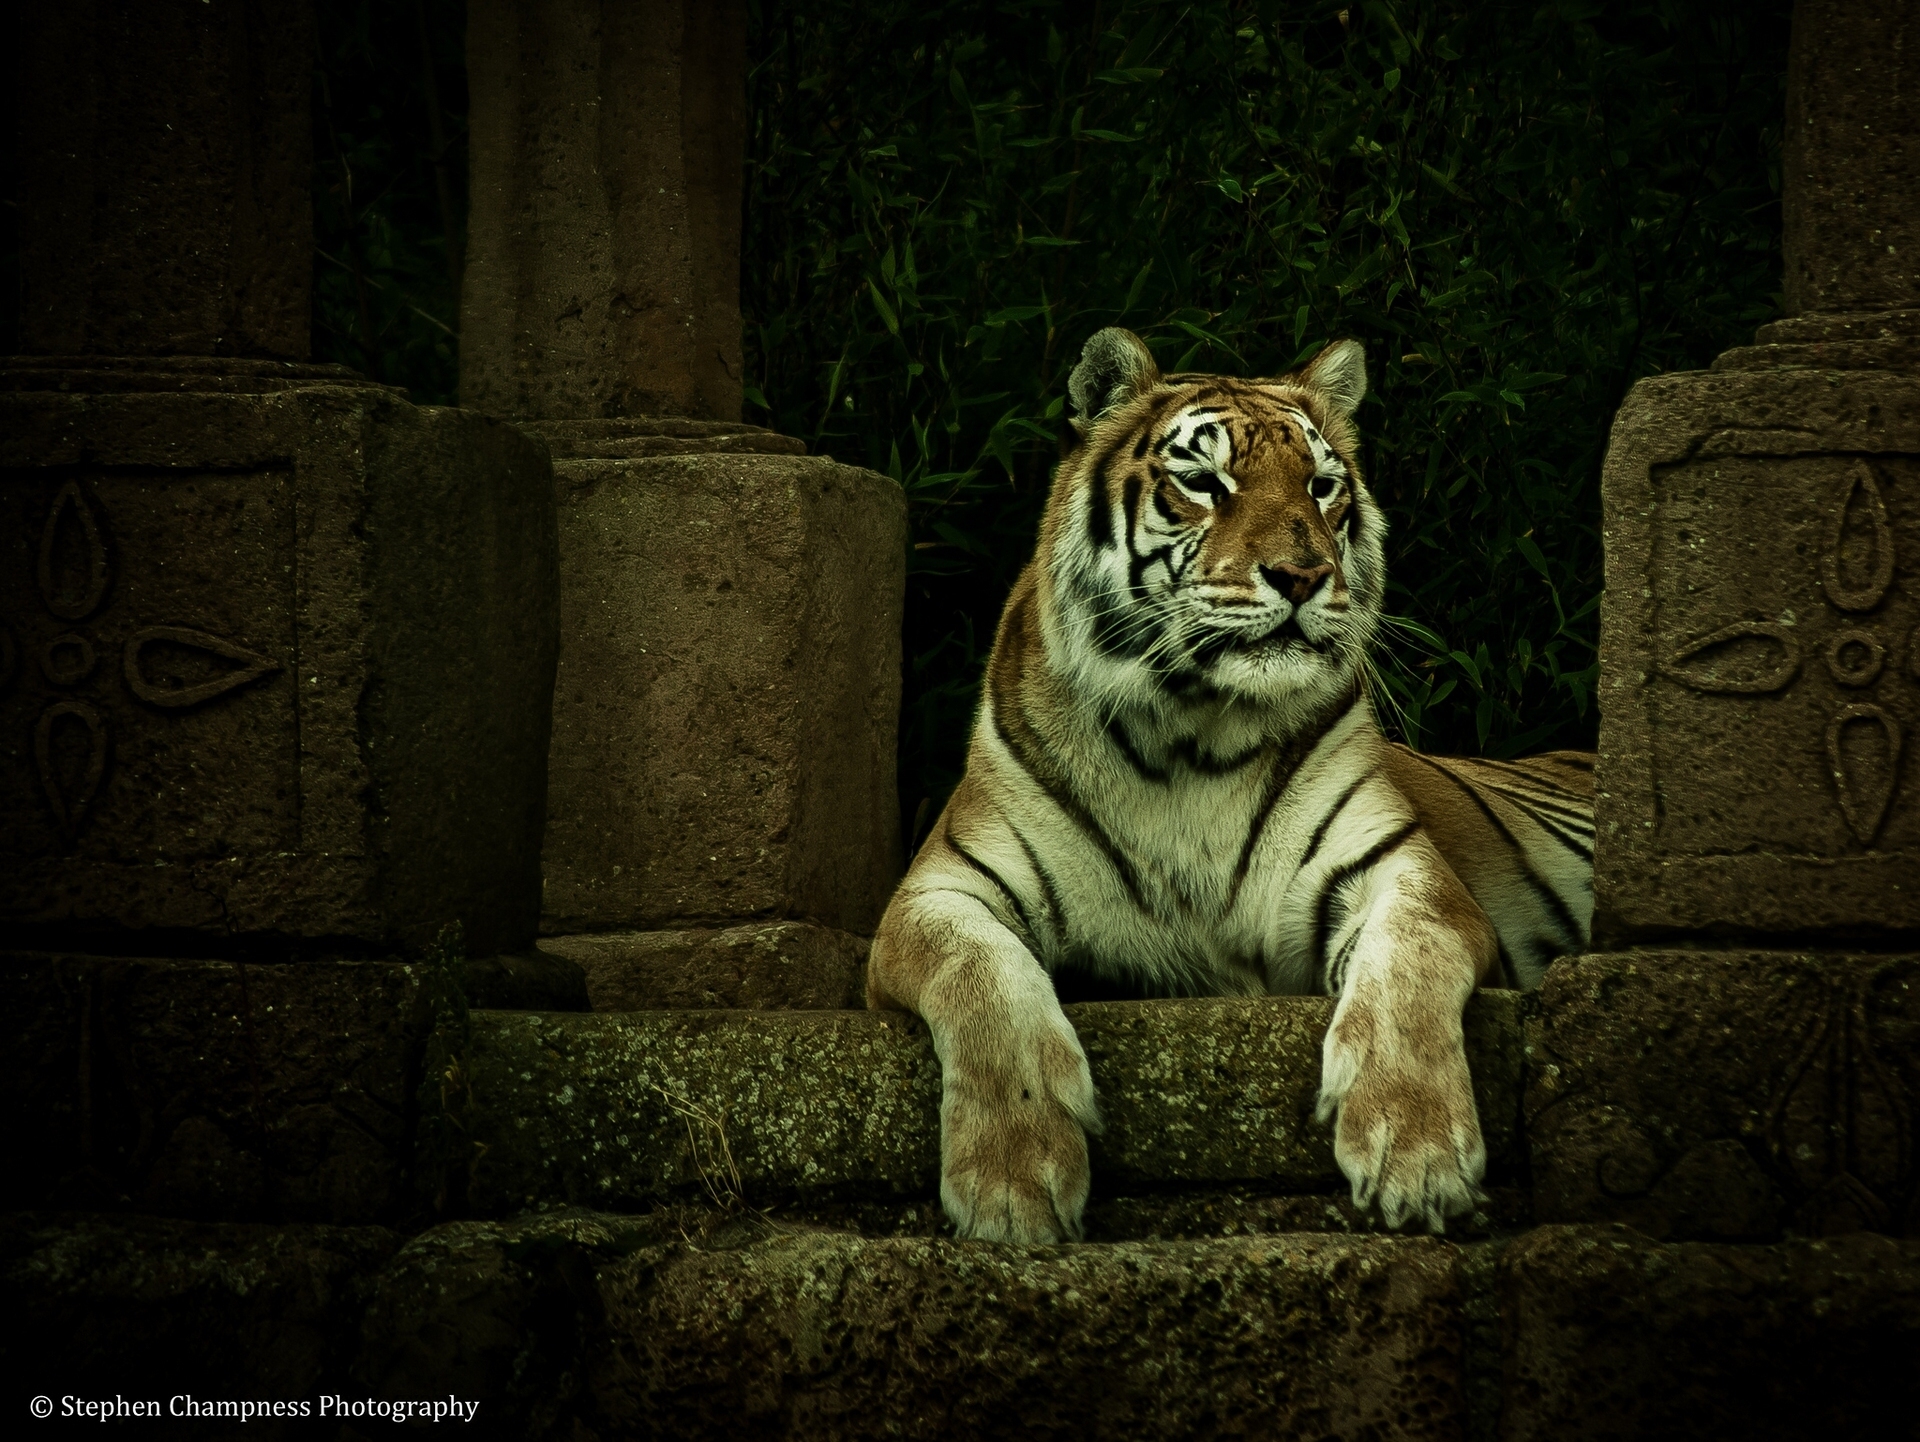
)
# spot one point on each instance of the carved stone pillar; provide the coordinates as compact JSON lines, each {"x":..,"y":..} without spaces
{"x":1760,"y":643}
{"x":274,"y":644}
{"x":1758,"y":809}
{"x":726,"y":715}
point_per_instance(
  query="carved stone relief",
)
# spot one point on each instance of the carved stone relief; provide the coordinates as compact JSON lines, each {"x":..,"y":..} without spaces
{"x":144,"y":605}
{"x":1733,"y":1096}
{"x":1787,"y":642}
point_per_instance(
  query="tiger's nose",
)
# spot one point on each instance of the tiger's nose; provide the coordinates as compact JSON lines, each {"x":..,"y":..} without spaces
{"x":1296,"y":583}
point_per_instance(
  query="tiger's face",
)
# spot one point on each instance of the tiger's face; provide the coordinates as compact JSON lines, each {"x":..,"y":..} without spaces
{"x":1213,"y":536}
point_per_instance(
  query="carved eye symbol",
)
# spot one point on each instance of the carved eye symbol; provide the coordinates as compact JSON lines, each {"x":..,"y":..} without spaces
{"x":1324,"y":486}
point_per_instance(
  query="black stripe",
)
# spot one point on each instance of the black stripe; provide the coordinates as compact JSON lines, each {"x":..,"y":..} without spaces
{"x":1513,"y":773}
{"x":1120,"y":631}
{"x":1577,"y":838}
{"x":1186,"y":751}
{"x":1337,"y":972}
{"x":1579,"y":843}
{"x":1056,"y":787}
{"x":1100,"y":509}
{"x":1338,"y":877}
{"x":1547,"y":894}
{"x":1049,"y":893}
{"x":1581,"y":761}
{"x":1137,"y":568}
{"x":1508,"y":972}
{"x":1575,"y":815}
{"x":1117,"y":733}
{"x":1285,"y":762}
{"x":998,"y":881}
{"x":1326,"y":822}
{"x":1557,"y":803}
{"x":1189,"y":754}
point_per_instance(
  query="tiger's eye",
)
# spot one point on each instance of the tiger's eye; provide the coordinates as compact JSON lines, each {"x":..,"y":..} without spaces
{"x":1323,"y":486}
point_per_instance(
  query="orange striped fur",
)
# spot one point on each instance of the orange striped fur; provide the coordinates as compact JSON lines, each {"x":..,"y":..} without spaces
{"x":1176,"y":779}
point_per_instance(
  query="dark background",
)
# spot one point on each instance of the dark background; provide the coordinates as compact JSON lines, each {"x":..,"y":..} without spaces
{"x":1520,"y":208}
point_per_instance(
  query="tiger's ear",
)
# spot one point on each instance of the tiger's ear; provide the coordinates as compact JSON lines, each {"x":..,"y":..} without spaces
{"x":1340,"y":371}
{"x":1114,"y":367}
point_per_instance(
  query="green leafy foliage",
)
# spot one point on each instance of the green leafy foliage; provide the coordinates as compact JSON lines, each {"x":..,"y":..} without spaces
{"x":1520,"y":209}
{"x":390,"y":191}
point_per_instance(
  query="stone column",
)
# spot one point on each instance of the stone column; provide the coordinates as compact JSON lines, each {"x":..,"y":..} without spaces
{"x":1761,"y":633}
{"x":165,"y":160}
{"x":1745,"y":1061}
{"x":603,"y":259}
{"x":276,"y":652}
{"x":726,"y":715}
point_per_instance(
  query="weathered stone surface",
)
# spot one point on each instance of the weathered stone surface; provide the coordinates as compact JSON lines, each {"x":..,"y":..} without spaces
{"x":776,"y":1331}
{"x":760,"y":965}
{"x":1611,"y":1335}
{"x":1850,"y":157}
{"x":660,"y":436}
{"x":1193,"y":1214}
{"x":603,"y":255}
{"x":526,"y":981}
{"x":100,"y":375}
{"x":1223,"y":1089}
{"x":734,"y":621}
{"x":281,"y":668}
{"x":622,"y":1110}
{"x":166,"y":217}
{"x":1698,"y":1094}
{"x":1853,"y":340}
{"x":151,"y":1310}
{"x":1758,"y":685}
{"x":211,"y":1089}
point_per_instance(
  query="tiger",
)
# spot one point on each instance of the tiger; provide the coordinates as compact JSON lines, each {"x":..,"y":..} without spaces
{"x":1175,"y":778}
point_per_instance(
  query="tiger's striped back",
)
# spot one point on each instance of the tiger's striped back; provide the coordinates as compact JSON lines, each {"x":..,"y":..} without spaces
{"x":1520,"y":835}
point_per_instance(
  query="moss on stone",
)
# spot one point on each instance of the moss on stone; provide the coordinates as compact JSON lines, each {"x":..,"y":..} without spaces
{"x":621,"y":1110}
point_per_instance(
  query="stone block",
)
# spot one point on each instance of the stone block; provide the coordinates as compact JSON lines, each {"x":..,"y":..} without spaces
{"x":279,"y":671}
{"x":636,"y":438}
{"x":1730,"y":1096}
{"x":211,"y":1089}
{"x":1760,"y":661}
{"x":726,"y":712}
{"x":1850,"y":158}
{"x":757,"y":966}
{"x":764,"y":1330}
{"x":167,"y":218}
{"x":525,"y":981}
{"x":624,"y":1110}
{"x":1608,"y":1334}
{"x":603,"y":250}
{"x":151,"y":1310}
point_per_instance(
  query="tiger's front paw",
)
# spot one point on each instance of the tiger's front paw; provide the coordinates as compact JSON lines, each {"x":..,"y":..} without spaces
{"x":1407,"y":1137}
{"x":1013,"y":1142}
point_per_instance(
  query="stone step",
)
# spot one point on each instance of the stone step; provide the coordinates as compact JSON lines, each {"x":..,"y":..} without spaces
{"x":693,"y":1323}
{"x":759,"y":965}
{"x":622,"y":1111}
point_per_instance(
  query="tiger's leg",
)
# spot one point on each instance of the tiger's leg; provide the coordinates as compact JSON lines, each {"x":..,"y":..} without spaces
{"x":1016,"y":1095}
{"x":1409,"y":949}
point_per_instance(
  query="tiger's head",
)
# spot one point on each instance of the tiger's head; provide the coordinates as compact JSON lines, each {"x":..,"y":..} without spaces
{"x":1211,"y":537}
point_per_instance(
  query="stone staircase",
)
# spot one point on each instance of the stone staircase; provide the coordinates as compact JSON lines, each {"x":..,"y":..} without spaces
{"x":722,"y":1223}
